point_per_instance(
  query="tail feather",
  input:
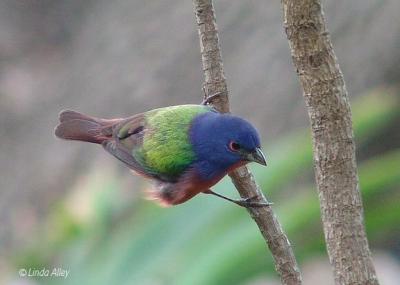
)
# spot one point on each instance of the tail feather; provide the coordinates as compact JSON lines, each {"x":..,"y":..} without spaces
{"x":77,"y":126}
{"x":68,"y":115}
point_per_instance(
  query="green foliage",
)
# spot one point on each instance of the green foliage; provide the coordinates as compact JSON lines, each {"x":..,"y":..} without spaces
{"x":209,"y":241}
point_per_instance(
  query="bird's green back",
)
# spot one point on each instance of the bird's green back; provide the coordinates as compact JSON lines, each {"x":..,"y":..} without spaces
{"x":166,"y":148}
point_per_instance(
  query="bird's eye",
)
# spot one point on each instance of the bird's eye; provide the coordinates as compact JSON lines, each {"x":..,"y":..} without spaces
{"x":234,"y":146}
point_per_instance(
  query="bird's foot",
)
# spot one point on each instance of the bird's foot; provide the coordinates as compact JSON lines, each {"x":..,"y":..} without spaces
{"x":210,"y":98}
{"x":252,"y":202}
{"x":246,"y":202}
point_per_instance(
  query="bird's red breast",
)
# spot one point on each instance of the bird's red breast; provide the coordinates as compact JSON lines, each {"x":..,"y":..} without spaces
{"x":189,"y":185}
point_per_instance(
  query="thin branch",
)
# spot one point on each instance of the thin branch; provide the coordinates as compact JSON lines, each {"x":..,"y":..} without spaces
{"x":215,"y":82}
{"x":334,"y":150}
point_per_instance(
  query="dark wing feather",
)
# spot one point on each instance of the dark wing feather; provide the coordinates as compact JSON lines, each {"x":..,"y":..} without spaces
{"x":127,"y":136}
{"x":120,"y":152}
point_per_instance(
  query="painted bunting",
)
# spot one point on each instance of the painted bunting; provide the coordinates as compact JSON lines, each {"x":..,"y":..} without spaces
{"x":183,"y":149}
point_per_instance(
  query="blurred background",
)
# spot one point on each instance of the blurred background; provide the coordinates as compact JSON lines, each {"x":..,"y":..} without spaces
{"x":72,"y":206}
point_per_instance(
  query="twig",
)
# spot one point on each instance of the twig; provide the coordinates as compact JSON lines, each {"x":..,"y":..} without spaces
{"x":215,"y":82}
{"x":334,"y":150}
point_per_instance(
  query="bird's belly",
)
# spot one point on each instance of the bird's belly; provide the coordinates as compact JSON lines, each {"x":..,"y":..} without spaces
{"x":190,"y":189}
{"x":190,"y":186}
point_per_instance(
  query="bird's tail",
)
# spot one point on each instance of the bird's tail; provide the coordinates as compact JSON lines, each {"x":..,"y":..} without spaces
{"x":80,"y":127}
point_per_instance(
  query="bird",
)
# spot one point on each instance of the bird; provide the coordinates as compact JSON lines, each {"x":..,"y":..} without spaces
{"x":184,"y":150}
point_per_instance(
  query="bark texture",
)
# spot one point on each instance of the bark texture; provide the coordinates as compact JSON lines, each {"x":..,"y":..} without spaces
{"x":243,"y":180}
{"x":334,"y":149}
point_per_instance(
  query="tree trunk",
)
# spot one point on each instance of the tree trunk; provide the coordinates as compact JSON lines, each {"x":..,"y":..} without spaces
{"x":215,"y":82}
{"x":334,"y":150}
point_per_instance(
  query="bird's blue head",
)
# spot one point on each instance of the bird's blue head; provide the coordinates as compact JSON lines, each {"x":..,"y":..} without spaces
{"x":220,"y":141}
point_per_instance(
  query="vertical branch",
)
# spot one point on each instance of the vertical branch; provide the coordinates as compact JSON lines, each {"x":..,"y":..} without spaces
{"x":334,"y":150}
{"x":214,"y":77}
{"x":266,"y":220}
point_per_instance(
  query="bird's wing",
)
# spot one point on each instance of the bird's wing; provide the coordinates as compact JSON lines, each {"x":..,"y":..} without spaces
{"x":156,"y":143}
{"x":127,"y":140}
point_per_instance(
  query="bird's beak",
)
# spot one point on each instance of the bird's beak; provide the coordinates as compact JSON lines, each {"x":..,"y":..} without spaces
{"x":257,"y":156}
